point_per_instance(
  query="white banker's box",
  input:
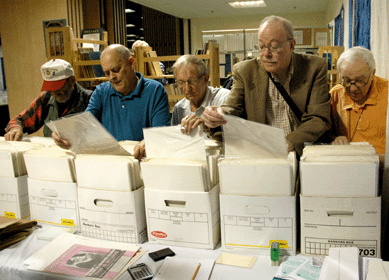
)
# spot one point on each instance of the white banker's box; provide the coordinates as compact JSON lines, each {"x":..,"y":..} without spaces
{"x":54,"y":202}
{"x":340,"y":222}
{"x":113,"y":215}
{"x":252,"y":223}
{"x":14,"y":197}
{"x":183,"y":218}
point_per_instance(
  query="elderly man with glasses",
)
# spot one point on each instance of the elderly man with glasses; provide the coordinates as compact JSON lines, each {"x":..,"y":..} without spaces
{"x":359,"y":103}
{"x":260,"y":84}
{"x":61,"y":96}
{"x":192,"y":77}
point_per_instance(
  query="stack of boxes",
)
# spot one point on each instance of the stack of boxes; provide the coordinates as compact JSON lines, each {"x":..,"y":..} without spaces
{"x":340,"y":202}
{"x":111,"y":198}
{"x":13,"y":179}
{"x":52,"y":187}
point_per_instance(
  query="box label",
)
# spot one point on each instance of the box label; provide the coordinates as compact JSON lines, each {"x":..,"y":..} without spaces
{"x":9,"y":214}
{"x":67,"y":222}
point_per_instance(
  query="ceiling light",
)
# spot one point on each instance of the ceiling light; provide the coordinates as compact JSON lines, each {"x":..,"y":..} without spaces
{"x":248,"y":4}
{"x":129,"y":11}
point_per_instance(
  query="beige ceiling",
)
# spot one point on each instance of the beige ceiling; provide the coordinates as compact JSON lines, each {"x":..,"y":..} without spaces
{"x":220,"y":8}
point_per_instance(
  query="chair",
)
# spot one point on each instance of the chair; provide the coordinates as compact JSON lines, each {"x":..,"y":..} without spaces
{"x":331,"y":55}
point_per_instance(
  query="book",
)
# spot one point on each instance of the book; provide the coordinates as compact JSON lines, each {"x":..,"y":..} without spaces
{"x":99,"y":72}
{"x":154,"y":67}
{"x":86,"y":70}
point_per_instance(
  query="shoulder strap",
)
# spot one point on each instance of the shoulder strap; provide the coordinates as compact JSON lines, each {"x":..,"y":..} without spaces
{"x":287,"y":98}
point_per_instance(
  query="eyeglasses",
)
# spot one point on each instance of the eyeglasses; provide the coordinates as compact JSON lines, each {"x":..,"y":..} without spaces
{"x":359,"y":84}
{"x":273,"y":48}
{"x":191,"y":82}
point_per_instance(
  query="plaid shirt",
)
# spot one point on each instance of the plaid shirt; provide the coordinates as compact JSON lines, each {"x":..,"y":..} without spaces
{"x":35,"y":116}
{"x":278,"y":112}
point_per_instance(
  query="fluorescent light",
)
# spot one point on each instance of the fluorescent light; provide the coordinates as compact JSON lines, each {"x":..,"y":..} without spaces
{"x":248,"y":4}
{"x":129,"y":11}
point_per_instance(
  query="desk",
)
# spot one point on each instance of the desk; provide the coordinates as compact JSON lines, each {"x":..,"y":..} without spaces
{"x":12,"y":267}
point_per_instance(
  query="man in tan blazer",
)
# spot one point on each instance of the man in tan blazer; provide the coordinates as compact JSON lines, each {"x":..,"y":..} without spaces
{"x":255,"y":97}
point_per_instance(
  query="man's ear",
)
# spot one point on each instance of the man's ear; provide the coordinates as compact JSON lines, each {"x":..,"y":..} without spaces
{"x":132,"y":62}
{"x":72,"y":80}
{"x":292,"y":44}
{"x":207,"y":76}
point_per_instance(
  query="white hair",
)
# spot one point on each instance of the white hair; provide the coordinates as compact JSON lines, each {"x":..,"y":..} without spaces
{"x":288,"y":27}
{"x":354,"y":54}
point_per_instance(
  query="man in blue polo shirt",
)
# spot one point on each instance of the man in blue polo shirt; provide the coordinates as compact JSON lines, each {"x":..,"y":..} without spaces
{"x":128,"y":102}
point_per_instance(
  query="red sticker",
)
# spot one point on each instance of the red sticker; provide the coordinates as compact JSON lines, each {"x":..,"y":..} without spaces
{"x":158,"y":234}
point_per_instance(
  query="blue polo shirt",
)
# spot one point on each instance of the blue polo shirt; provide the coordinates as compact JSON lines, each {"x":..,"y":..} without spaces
{"x":126,"y":116}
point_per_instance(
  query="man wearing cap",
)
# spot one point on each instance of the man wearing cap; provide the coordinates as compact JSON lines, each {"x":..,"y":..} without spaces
{"x":60,"y":96}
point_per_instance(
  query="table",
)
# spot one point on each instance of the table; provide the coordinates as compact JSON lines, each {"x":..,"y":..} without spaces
{"x":12,"y":258}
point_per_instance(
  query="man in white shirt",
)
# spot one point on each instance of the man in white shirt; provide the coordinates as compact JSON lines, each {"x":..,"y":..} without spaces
{"x":192,"y":77}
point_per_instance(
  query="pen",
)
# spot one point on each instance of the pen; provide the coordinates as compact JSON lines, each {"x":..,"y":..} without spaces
{"x":197,"y":270}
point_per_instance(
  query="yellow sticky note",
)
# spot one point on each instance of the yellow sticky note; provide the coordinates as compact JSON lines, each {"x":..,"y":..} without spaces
{"x":236,"y":260}
{"x":67,"y":222}
{"x":9,"y":214}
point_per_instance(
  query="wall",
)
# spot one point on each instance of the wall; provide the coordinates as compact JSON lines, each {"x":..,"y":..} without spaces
{"x":22,"y":39}
{"x":247,"y":22}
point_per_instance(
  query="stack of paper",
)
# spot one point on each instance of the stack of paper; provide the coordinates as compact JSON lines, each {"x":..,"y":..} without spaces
{"x":11,"y":157}
{"x":128,"y":145}
{"x":108,"y":172}
{"x":14,"y":230}
{"x":339,"y":171}
{"x":83,"y":257}
{"x":177,"y":161}
{"x":51,"y":164}
{"x":273,"y":177}
{"x":176,"y":174}
{"x":47,"y":141}
{"x":342,"y":264}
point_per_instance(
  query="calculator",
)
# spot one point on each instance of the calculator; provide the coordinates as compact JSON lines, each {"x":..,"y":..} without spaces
{"x":140,"y":272}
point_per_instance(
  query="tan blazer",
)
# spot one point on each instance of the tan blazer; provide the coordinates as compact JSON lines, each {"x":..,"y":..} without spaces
{"x":308,"y":89}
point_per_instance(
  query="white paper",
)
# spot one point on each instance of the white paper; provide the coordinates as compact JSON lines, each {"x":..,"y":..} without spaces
{"x":174,"y":268}
{"x":298,"y":268}
{"x":170,"y":142}
{"x":249,"y":139}
{"x":86,"y":135}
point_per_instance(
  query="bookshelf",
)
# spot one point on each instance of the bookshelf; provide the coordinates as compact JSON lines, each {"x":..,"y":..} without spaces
{"x":61,"y":43}
{"x":144,"y":61}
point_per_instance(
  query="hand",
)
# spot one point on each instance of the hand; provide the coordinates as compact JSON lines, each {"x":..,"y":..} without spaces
{"x":14,"y":134}
{"x":340,"y":140}
{"x":190,"y":122}
{"x":140,"y":150}
{"x":63,"y":143}
{"x":213,"y":116}
{"x":289,"y":146}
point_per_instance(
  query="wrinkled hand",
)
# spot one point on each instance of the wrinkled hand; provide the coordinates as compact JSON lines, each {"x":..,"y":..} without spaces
{"x":340,"y":140}
{"x":289,"y":146}
{"x":140,"y":150}
{"x":14,"y":134}
{"x":213,"y":116}
{"x":61,"y":142}
{"x":190,"y":122}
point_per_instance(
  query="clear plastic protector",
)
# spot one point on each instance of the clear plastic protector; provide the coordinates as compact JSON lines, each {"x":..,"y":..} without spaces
{"x":247,"y":139}
{"x":86,"y":135}
{"x":170,"y":142}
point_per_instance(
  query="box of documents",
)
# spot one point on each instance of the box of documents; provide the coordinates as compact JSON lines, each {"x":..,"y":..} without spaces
{"x":108,"y":172}
{"x":183,"y":218}
{"x":50,"y":164}
{"x":252,"y":223}
{"x":256,"y":177}
{"x":11,"y":157}
{"x":339,"y":171}
{"x":14,"y":197}
{"x":113,"y":215}
{"x":54,"y":203}
{"x":340,"y":222}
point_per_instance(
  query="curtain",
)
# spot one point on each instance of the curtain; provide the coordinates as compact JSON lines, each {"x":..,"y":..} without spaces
{"x":362,"y":23}
{"x":351,"y":24}
{"x":339,"y":28}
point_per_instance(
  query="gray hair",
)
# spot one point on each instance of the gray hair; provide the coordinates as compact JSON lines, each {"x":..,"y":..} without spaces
{"x":288,"y":27}
{"x":354,"y":54}
{"x":121,"y":51}
{"x":188,"y":60}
